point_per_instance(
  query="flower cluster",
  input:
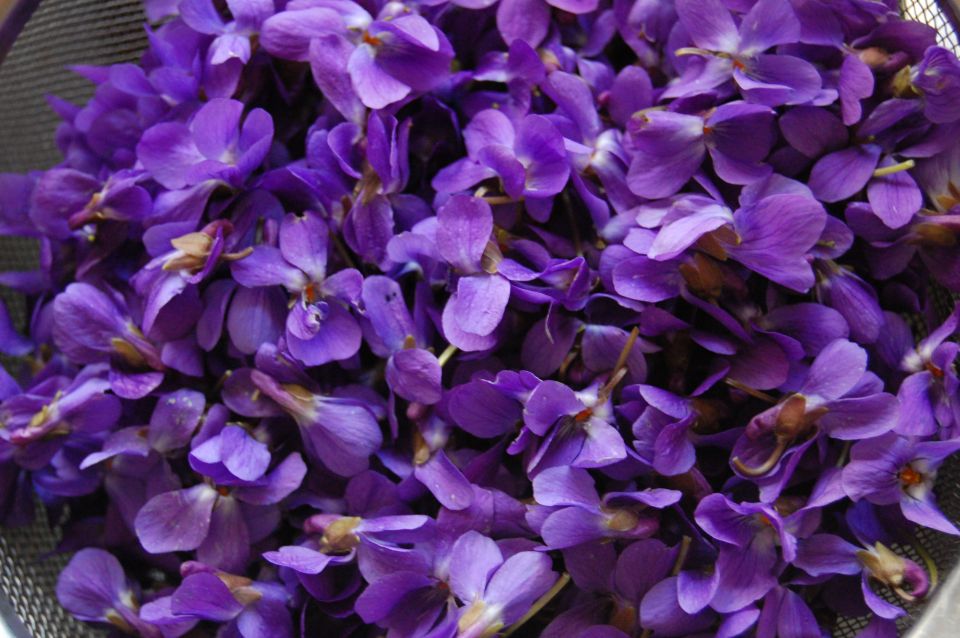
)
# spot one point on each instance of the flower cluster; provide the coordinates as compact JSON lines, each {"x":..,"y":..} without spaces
{"x":572,"y":318}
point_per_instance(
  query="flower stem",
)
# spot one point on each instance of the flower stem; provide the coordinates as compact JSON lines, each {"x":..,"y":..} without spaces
{"x":682,"y":556}
{"x":447,"y":354}
{"x":929,"y":563}
{"x":896,"y":168}
{"x":763,"y":396}
{"x":692,"y":51}
{"x":767,"y":465}
{"x":540,"y":604}
{"x":843,"y":453}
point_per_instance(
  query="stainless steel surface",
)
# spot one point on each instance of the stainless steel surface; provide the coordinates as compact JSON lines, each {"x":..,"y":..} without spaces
{"x":67,"y":32}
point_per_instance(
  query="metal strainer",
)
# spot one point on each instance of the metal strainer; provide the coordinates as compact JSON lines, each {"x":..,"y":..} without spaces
{"x":60,"y":33}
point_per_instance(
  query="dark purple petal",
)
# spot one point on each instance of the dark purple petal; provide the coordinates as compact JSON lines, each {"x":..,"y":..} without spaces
{"x":415,"y":375}
{"x":842,"y":174}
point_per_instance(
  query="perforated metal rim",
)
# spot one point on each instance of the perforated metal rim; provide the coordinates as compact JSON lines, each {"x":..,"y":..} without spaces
{"x":98,"y":32}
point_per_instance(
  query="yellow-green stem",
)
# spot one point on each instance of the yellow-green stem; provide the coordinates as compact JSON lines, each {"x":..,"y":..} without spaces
{"x":540,"y":604}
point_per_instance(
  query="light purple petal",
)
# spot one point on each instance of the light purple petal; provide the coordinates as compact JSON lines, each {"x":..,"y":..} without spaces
{"x":464,"y":226}
{"x":473,"y":559}
{"x":709,"y":24}
{"x":526,"y":20}
{"x":176,"y":521}
{"x":478,"y":304}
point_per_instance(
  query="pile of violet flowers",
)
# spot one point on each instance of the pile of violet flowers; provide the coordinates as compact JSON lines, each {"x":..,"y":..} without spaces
{"x":571,"y":318}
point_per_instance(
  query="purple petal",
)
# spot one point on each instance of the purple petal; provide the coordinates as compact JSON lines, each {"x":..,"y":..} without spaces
{"x":813,"y":131}
{"x":836,"y":370}
{"x":549,"y":401}
{"x":709,"y":24}
{"x":227,"y":546}
{"x":464,"y":226}
{"x":215,"y":127}
{"x":482,"y":410}
{"x":473,"y":559}
{"x":669,"y":149}
{"x":769,"y":23}
{"x":318,"y":335}
{"x":895,"y":198}
{"x":329,"y":56}
{"x":343,"y":436}
{"x":445,"y":481}
{"x":745,"y":575}
{"x":383,"y":595}
{"x":176,"y":521}
{"x":244,"y":456}
{"x":415,"y":375}
{"x":861,"y":417}
{"x":916,"y":406}
{"x":519,"y":582}
{"x":375,"y":87}
{"x":280,"y":482}
{"x":92,"y":584}
{"x":572,"y":526}
{"x":490,"y":127}
{"x":539,"y":147}
{"x":676,"y":236}
{"x":265,"y":266}
{"x":602,"y":446}
{"x":300,"y":559}
{"x":827,"y":554}
{"x":303,"y":243}
{"x":647,"y":280}
{"x":478,"y":304}
{"x":776,"y":234}
{"x":795,"y":620}
{"x":564,"y":486}
{"x":774,"y":80}
{"x":842,"y":174}
{"x":661,"y":612}
{"x":205,"y":596}
{"x":526,"y":20}
{"x":924,"y":512}
{"x":288,"y":34}
{"x":256,"y":316}
{"x":168,"y":152}
{"x":856,"y":84}
{"x":175,"y":419}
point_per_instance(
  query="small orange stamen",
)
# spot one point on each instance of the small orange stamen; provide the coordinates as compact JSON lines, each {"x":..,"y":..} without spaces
{"x":372,"y":40}
{"x":222,"y":491}
{"x":310,"y":293}
{"x":583,"y":415}
{"x":737,"y":64}
{"x":909,"y":476}
{"x":934,"y":370}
